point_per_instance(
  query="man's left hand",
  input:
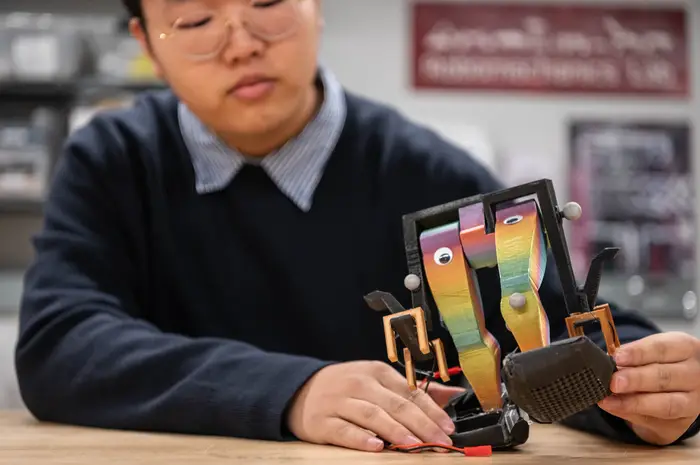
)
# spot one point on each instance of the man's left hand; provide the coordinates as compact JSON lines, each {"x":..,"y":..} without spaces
{"x":657,"y":387}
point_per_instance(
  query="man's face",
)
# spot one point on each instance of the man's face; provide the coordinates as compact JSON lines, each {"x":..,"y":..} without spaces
{"x":212,"y":84}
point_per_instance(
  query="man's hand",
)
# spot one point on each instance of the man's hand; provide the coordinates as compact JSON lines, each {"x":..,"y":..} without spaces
{"x":354,"y":404}
{"x":657,"y":387}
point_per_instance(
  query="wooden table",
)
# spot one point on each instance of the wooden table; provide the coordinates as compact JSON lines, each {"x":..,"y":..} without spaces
{"x":24,"y":441}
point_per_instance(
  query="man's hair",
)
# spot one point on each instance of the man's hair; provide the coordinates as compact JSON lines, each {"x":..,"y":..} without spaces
{"x":133,"y":7}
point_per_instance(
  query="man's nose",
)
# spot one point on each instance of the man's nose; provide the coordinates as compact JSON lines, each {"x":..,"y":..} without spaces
{"x":241,"y":45}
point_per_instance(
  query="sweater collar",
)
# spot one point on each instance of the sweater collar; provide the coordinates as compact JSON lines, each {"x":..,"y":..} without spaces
{"x":296,"y":168}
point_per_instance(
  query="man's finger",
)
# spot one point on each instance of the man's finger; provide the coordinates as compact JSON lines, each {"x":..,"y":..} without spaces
{"x":432,"y":409}
{"x":657,"y":377}
{"x":423,"y":401}
{"x":671,"y":347}
{"x":345,"y":434}
{"x":406,"y":410}
{"x":373,"y":418}
{"x":667,"y":405}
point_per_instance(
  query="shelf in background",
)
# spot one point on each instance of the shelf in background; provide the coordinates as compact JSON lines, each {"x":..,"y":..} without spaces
{"x":56,"y":90}
{"x":21,"y":97}
{"x":119,"y":84}
{"x":11,"y":285}
{"x":24,"y":90}
{"x":21,"y":206}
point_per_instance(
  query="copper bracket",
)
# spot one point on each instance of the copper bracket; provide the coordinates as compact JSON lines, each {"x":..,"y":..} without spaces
{"x":425,"y":346}
{"x":602,"y":314}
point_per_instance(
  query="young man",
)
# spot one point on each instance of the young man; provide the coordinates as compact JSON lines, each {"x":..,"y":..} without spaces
{"x":205,"y":253}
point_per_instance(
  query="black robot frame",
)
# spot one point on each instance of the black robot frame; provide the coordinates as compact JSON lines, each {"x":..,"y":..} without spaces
{"x":545,"y":385}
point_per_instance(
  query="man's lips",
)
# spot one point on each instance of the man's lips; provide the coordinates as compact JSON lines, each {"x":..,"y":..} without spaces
{"x":253,"y":88}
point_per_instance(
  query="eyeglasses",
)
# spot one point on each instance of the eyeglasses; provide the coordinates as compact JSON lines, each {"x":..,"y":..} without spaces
{"x":203,"y":34}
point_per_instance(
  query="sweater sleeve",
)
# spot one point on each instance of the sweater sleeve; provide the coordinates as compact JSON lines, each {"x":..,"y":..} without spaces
{"x":86,"y":354}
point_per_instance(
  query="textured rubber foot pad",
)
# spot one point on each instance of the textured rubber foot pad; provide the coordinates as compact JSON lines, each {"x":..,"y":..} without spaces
{"x":560,"y":380}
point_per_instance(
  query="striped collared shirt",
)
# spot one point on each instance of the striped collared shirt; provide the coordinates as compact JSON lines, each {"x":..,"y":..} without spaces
{"x":296,"y":168}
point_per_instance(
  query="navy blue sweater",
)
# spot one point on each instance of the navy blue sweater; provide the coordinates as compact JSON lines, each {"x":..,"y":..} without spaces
{"x":151,"y":307}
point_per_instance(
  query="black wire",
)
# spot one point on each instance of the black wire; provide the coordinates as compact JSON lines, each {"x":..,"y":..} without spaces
{"x":430,"y":378}
{"x":427,"y":376}
{"x":427,"y":384}
{"x":423,"y":373}
{"x":422,"y":447}
{"x":416,"y":448}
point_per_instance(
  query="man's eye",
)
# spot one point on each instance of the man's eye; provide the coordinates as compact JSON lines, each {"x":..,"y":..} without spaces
{"x":191,"y":24}
{"x":266,"y":4}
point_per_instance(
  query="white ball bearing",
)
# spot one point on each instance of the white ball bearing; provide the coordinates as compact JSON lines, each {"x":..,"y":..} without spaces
{"x":572,"y":211}
{"x":412,"y":282}
{"x":517,"y":300}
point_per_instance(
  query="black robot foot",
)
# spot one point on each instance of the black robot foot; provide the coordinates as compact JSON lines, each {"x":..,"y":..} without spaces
{"x":501,"y":429}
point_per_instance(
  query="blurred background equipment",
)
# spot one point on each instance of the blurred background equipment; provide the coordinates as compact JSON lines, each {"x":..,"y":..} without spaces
{"x":636,"y":186}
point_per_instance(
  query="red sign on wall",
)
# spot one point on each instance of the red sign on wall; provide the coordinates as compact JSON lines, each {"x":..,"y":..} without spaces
{"x":550,"y":48}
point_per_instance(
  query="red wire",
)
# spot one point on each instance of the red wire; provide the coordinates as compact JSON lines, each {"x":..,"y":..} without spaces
{"x":436,"y":375}
{"x":450,"y":371}
{"x":477,"y":451}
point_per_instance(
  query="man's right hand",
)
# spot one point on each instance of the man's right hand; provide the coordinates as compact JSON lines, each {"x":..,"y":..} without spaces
{"x":357,"y":404}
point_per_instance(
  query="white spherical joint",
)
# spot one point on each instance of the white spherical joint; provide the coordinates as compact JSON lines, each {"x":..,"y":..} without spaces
{"x":517,"y":300}
{"x":572,"y":211}
{"x":412,"y":282}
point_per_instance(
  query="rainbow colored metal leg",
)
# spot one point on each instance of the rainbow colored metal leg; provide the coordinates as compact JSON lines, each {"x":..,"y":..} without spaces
{"x":454,"y":288}
{"x":521,"y":252}
{"x":479,"y":247}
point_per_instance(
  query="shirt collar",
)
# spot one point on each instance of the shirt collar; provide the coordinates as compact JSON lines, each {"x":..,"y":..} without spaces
{"x":296,"y":168}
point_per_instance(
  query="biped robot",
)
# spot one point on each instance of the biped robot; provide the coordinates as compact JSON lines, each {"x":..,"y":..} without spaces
{"x":543,"y":381}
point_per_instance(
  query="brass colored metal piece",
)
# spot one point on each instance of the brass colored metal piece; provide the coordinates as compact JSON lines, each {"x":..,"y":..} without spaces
{"x":410,"y":369}
{"x":439,"y":350}
{"x":421,"y":330}
{"x":425,"y":345}
{"x":602,"y":314}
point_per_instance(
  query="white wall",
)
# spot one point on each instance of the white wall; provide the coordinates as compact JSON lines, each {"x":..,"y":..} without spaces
{"x":9,"y":392}
{"x":367,"y":45}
